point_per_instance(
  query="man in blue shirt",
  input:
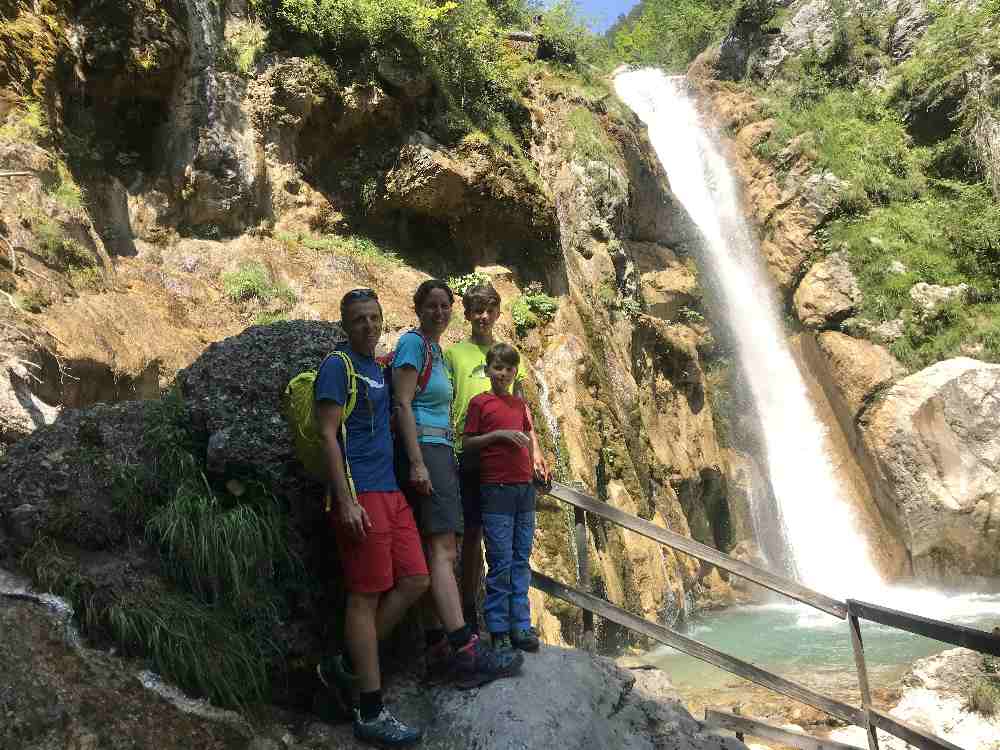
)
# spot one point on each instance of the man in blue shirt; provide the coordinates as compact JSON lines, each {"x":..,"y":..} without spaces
{"x":380,"y":550}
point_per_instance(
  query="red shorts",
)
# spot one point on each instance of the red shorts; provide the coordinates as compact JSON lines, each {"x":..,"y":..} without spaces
{"x":391,"y":550}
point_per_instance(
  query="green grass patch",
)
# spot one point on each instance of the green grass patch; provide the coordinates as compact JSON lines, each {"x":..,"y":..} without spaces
{"x":26,"y":123}
{"x":355,"y":246}
{"x":66,"y":191}
{"x":588,"y":139}
{"x":854,"y":134}
{"x":55,"y":247}
{"x":949,"y":236}
{"x":251,"y":282}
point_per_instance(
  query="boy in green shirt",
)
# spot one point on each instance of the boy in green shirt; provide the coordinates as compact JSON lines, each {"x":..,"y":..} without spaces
{"x":466,"y":363}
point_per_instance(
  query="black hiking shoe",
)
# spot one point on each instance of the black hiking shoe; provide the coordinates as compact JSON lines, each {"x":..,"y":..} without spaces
{"x":476,"y":665}
{"x":526,"y":640}
{"x":385,"y":730}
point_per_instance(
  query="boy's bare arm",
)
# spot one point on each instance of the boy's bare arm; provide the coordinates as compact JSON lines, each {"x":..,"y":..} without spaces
{"x":478,"y":442}
{"x":538,"y":464}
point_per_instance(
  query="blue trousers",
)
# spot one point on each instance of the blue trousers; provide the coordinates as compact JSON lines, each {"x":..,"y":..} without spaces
{"x":508,"y":530}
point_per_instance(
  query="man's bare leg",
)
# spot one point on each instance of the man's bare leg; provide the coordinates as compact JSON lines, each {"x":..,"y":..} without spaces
{"x":444,"y":588}
{"x":361,"y":639}
{"x":394,"y":603}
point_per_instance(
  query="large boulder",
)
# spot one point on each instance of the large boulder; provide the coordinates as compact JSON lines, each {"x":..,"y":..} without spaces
{"x":598,"y":704}
{"x":828,"y":294}
{"x":233,"y":392}
{"x":935,"y":442}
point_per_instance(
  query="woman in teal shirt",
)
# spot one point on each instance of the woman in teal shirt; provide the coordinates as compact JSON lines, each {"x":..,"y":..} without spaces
{"x":430,"y":481}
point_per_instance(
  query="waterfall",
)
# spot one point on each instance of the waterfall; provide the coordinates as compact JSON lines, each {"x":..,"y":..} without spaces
{"x":816,"y":522}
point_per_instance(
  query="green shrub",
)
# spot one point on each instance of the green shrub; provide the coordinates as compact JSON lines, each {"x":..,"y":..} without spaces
{"x":243,"y":48}
{"x":531,"y":309}
{"x":458,"y":42}
{"x":461,"y":284}
{"x":671,"y":33}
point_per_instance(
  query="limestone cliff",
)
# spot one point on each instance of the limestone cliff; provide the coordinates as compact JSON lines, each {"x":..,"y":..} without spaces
{"x":165,"y":197}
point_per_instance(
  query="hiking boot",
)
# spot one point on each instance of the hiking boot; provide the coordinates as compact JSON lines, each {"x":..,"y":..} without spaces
{"x":476,"y":665}
{"x":501,"y":642}
{"x":439,"y":661}
{"x":526,"y":640}
{"x":340,"y":682}
{"x":385,"y":730}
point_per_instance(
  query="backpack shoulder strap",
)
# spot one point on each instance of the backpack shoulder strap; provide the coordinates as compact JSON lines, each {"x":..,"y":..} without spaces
{"x":352,"y":382}
{"x":425,"y":374}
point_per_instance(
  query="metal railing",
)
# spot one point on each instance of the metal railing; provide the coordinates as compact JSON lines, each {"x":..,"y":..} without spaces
{"x":866,"y":717}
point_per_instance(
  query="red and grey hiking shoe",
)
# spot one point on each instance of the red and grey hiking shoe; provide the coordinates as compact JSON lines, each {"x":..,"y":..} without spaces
{"x":476,"y":665}
{"x":385,"y":730}
{"x":439,"y":662}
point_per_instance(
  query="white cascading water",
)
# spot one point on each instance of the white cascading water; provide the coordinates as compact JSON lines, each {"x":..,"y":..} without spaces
{"x":829,"y":553}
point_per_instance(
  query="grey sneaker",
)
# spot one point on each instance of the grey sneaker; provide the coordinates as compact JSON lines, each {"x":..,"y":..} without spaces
{"x":385,"y":730}
{"x":526,"y":640}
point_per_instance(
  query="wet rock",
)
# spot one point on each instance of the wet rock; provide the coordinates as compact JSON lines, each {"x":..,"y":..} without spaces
{"x":828,"y":293}
{"x":935,"y":441}
{"x":858,"y":369}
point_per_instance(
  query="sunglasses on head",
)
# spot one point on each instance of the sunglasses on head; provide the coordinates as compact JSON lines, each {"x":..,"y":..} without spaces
{"x":361,"y":294}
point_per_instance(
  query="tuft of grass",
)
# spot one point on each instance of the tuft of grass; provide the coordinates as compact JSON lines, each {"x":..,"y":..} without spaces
{"x":251,"y":282}
{"x":217,"y":550}
{"x":589,"y":141}
{"x":27,"y":123}
{"x":66,"y":191}
{"x":355,"y":246}
{"x":201,"y":648}
{"x":984,"y":696}
{"x":55,"y":247}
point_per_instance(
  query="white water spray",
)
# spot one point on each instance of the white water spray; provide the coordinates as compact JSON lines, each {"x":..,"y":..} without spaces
{"x":829,"y":553}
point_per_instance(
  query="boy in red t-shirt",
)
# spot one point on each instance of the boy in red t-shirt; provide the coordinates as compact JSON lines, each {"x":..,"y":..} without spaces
{"x":498,"y":426}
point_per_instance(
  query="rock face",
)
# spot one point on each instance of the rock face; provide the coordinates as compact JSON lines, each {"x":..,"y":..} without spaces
{"x":859,"y":369}
{"x":598,"y":705}
{"x":57,"y":695}
{"x":828,"y":293}
{"x":935,"y":441}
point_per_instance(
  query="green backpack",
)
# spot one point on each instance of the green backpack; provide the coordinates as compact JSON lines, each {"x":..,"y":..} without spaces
{"x":298,"y":404}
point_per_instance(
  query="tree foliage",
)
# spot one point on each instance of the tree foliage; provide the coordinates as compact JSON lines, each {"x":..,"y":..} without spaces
{"x":671,"y":33}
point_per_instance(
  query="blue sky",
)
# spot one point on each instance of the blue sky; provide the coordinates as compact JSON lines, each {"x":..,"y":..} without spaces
{"x":602,"y":13}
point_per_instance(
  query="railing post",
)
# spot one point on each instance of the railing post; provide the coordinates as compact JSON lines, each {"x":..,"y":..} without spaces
{"x":859,"y":661}
{"x":583,"y":575}
{"x":738,"y":711}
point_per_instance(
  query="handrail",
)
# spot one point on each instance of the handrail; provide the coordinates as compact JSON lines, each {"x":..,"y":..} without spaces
{"x":765,"y":731}
{"x":957,"y":635}
{"x":696,"y":649}
{"x":702,"y":551}
{"x":866,"y":717}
